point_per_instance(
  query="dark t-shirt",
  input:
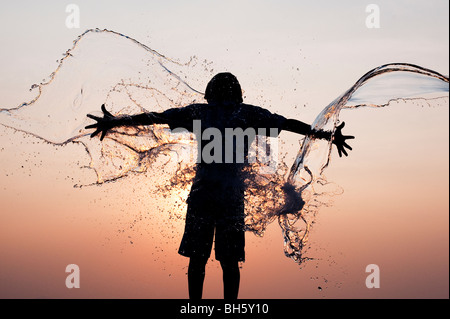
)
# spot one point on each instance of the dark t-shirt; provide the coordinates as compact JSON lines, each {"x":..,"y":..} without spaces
{"x":240,"y":119}
{"x":221,"y":116}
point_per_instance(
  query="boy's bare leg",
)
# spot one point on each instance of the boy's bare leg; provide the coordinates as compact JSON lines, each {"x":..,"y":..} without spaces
{"x":196,"y":277}
{"x":231,"y":278}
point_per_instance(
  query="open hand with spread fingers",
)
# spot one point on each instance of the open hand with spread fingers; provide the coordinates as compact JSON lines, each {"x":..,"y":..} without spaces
{"x":340,"y":140}
{"x":105,"y":123}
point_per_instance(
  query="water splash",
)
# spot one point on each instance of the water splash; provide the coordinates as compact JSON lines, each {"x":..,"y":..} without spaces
{"x":377,"y":88}
{"x":106,"y":67}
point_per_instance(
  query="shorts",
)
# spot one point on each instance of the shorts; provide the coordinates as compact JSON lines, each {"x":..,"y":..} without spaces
{"x":214,"y":215}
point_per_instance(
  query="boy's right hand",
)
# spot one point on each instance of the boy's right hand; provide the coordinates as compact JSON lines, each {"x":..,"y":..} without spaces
{"x":103,"y":124}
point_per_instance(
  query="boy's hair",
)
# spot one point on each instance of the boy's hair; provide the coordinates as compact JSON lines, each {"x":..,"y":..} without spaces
{"x":224,"y":87}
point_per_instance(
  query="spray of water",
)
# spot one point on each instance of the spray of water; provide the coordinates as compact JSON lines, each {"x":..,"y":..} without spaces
{"x":106,"y":67}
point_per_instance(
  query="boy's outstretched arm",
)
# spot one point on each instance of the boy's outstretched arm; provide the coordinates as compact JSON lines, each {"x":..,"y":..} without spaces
{"x":109,"y":121}
{"x":305,"y":129}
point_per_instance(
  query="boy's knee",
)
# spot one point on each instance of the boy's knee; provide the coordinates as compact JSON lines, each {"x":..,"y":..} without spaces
{"x":197,"y":263}
{"x":229,"y":265}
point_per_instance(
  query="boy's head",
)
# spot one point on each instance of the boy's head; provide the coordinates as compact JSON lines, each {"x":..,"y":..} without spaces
{"x":223,"y":87}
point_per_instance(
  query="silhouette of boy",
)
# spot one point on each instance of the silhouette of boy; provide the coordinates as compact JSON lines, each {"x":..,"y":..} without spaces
{"x":216,"y":200}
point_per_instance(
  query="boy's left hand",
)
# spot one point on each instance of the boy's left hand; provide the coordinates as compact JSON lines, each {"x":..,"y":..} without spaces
{"x":340,"y":140}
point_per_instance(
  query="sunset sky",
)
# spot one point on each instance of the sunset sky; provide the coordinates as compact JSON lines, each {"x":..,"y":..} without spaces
{"x":292,"y":57}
